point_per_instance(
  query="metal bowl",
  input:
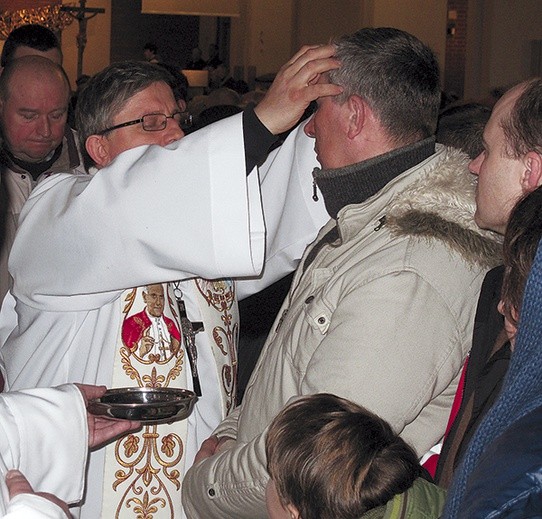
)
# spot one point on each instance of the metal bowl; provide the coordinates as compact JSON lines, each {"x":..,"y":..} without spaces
{"x":145,"y":404}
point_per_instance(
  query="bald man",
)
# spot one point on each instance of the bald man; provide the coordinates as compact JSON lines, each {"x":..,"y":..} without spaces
{"x":36,"y":141}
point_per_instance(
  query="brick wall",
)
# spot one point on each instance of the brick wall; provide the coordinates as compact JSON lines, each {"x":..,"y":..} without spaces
{"x":456,"y":46}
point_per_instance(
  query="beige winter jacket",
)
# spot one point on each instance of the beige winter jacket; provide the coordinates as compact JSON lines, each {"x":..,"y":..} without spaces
{"x":384,"y":318}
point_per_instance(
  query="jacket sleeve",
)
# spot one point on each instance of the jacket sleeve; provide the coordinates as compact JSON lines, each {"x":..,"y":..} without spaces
{"x":44,"y":434}
{"x":154,"y":214}
{"x":228,"y":426}
{"x":230,"y":484}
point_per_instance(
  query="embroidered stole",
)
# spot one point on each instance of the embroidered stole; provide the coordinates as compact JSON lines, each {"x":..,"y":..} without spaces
{"x":143,"y":471}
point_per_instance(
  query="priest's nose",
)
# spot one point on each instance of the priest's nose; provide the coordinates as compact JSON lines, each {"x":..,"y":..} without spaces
{"x":172,"y":133}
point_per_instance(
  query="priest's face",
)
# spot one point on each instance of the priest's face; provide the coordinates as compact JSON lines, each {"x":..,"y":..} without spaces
{"x":155,"y":99}
{"x":34,"y":112}
{"x":154,"y":299}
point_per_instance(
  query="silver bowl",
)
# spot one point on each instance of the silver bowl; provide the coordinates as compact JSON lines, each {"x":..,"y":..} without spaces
{"x":145,"y":404}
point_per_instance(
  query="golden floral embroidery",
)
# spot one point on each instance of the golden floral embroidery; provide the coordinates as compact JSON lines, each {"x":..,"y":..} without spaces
{"x":148,"y":459}
{"x":220,"y":295}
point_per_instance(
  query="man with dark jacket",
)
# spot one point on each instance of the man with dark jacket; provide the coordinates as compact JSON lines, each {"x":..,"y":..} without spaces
{"x":509,"y":167}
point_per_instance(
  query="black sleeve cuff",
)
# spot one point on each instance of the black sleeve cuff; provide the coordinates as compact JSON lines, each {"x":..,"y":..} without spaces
{"x":258,"y":139}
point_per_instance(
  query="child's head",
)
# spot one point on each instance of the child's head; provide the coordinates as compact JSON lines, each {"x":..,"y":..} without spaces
{"x":330,"y":458}
{"x":521,"y":239}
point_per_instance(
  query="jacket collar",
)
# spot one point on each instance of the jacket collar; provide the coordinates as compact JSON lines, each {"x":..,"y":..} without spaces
{"x":432,"y":200}
{"x":355,"y":183}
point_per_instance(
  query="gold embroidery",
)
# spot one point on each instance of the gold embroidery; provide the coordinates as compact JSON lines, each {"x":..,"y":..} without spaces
{"x":220,"y":295}
{"x":148,"y":459}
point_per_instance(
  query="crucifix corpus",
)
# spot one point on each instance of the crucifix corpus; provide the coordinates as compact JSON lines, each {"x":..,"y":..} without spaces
{"x":82,"y":14}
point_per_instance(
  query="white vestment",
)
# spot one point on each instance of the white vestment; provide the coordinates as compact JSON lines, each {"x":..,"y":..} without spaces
{"x":154,"y":215}
{"x":31,"y":422}
{"x":292,"y":216}
{"x":158,"y":246}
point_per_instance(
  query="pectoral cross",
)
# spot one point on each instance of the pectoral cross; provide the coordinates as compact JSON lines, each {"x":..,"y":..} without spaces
{"x":80,"y":14}
{"x":189,"y":330}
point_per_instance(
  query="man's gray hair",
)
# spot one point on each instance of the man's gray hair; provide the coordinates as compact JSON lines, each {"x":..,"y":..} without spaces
{"x":396,"y":74}
{"x":106,"y":94}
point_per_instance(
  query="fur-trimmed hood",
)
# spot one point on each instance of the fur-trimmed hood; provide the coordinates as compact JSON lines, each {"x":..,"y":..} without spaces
{"x":441,"y":205}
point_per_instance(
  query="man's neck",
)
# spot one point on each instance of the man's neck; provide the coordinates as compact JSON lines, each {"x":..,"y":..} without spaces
{"x":356,"y":183}
{"x":35,"y":169}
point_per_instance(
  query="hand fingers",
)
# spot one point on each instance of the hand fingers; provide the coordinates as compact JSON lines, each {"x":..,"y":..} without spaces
{"x":296,"y":85}
{"x":17,"y":484}
{"x":314,"y":91}
{"x":299,"y":53}
{"x":210,"y":443}
{"x":311,"y":71}
{"x":104,"y":430}
{"x":90,"y":392}
{"x":310,"y":53}
{"x":207,"y":449}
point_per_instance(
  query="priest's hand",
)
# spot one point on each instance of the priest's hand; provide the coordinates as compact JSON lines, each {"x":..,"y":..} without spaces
{"x":296,"y":85}
{"x":213,"y":445}
{"x":18,"y":484}
{"x":103,"y":430}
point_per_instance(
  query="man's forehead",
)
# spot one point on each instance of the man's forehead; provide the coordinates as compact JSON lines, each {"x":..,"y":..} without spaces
{"x":506,"y":103}
{"x":31,"y":80}
{"x":500,"y":111}
{"x":51,"y":54}
{"x":142,"y":101}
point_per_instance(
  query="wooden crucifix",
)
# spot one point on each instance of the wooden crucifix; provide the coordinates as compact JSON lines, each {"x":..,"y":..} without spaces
{"x":82,"y":14}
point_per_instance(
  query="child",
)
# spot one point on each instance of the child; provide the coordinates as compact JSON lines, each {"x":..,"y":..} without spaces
{"x":329,"y":458}
{"x":523,"y":233}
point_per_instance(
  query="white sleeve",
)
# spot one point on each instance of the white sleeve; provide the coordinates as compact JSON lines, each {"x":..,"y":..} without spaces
{"x":292,"y":217}
{"x":31,"y":506}
{"x":44,"y":434}
{"x":154,"y":214}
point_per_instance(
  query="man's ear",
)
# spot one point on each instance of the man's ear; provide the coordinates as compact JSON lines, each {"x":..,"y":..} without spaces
{"x":532,"y":177}
{"x":293,"y":511}
{"x":181,"y":103}
{"x":98,"y":148}
{"x":356,"y":120}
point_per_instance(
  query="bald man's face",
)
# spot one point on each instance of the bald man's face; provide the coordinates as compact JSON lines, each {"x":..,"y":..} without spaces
{"x":33,"y":115}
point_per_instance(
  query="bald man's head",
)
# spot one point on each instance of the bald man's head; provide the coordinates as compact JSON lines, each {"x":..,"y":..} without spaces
{"x":34,"y":98}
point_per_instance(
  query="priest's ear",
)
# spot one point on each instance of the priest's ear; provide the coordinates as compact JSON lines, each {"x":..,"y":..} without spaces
{"x":97,"y":147}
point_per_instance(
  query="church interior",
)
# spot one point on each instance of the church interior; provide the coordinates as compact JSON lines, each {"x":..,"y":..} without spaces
{"x":255,"y":37}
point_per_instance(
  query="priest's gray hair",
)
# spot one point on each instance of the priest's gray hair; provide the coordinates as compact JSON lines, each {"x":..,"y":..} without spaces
{"x":396,"y":74}
{"x":106,"y":94}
